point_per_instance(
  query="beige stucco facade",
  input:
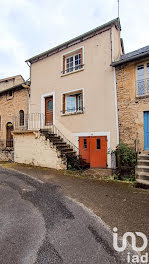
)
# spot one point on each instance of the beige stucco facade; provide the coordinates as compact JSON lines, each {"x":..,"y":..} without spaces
{"x":96,"y":79}
{"x":131,"y":108}
{"x":32,"y":148}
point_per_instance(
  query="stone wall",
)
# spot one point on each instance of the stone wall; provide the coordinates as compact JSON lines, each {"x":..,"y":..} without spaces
{"x":10,"y":82}
{"x":6,"y":155}
{"x":9,"y":108}
{"x":32,"y":148}
{"x":130,"y":107}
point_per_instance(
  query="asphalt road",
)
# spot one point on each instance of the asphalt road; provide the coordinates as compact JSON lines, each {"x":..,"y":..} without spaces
{"x":39,"y":225}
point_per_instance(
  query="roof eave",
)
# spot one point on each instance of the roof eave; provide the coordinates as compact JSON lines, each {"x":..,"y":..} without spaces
{"x":120,"y":62}
{"x":110,"y":23}
{"x":14,"y":87}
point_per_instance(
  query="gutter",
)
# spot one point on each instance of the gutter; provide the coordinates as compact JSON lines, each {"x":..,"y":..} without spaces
{"x":117,"y":63}
{"x":77,"y":39}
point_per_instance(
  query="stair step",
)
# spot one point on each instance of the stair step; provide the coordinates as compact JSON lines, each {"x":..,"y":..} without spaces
{"x":67,"y":149}
{"x":69,"y":152}
{"x":53,"y":136}
{"x":56,"y":140}
{"x":142,"y":168}
{"x":142,"y":173}
{"x":143,"y":162}
{"x":62,"y":144}
{"x":143,"y":157}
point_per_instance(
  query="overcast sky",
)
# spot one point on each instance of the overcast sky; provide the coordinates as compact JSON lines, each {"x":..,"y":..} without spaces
{"x":28,"y":27}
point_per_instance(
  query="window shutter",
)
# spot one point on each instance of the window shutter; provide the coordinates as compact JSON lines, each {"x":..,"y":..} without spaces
{"x":63,"y":64}
{"x":81,"y":57}
{"x":63,"y":103}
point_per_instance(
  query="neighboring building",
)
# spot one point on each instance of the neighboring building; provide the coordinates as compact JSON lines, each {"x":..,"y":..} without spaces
{"x":13,"y":102}
{"x":132,"y":78}
{"x":73,"y":88}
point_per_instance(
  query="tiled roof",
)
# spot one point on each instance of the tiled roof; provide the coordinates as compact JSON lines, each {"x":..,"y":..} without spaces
{"x":140,"y":53}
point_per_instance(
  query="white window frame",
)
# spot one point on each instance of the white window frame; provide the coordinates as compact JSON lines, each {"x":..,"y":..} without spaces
{"x":146,"y":93}
{"x":70,"y":54}
{"x":73,"y":63}
{"x":75,"y":92}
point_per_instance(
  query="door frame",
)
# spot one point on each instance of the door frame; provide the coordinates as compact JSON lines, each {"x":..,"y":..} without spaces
{"x":43,"y":96}
{"x":146,"y":113}
{"x":96,"y":134}
{"x":9,"y":141}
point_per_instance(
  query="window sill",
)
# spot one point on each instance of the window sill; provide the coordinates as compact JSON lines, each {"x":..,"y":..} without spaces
{"x":68,"y":73}
{"x":73,"y":113}
{"x":9,"y":97}
{"x":142,"y":96}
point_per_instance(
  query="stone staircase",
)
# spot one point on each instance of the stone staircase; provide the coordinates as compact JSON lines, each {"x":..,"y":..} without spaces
{"x":67,"y":150}
{"x":142,"y":169}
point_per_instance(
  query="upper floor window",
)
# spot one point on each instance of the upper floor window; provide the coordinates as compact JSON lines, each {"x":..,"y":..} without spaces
{"x":10,"y":94}
{"x":143,"y":79}
{"x":73,"y":102}
{"x":73,"y":61}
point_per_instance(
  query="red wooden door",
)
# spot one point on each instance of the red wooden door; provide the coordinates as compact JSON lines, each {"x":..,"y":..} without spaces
{"x":94,"y":151}
{"x":49,"y":110}
{"x":98,"y":152}
{"x":84,"y":147}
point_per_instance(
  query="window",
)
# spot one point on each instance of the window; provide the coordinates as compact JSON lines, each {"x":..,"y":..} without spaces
{"x":72,"y":62}
{"x":143,"y":79}
{"x":98,"y":143}
{"x":21,"y":115}
{"x":147,"y":78}
{"x":0,"y":122}
{"x":73,"y":103}
{"x":50,"y":105}
{"x":85,"y":143}
{"x":10,"y":94}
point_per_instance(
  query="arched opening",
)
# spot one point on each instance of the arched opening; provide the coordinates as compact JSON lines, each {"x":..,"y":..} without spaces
{"x":21,"y":115}
{"x":9,"y":136}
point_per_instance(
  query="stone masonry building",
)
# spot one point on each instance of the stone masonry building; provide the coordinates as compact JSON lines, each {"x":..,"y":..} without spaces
{"x":14,"y":96}
{"x":132,"y":79}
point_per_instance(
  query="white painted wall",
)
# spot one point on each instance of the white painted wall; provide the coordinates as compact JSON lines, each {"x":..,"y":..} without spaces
{"x":32,"y":148}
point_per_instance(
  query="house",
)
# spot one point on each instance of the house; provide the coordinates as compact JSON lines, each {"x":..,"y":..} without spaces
{"x":13,"y":102}
{"x":132,"y":78}
{"x":73,"y":92}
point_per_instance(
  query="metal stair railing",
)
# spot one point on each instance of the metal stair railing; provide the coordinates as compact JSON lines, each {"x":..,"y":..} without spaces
{"x":76,"y":160}
{"x":56,"y":131}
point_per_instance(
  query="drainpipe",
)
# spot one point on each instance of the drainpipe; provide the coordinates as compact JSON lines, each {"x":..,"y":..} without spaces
{"x":27,"y":103}
{"x":116,"y":107}
{"x":115,"y":88}
{"x":28,"y":91}
{"x":111,"y":45}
